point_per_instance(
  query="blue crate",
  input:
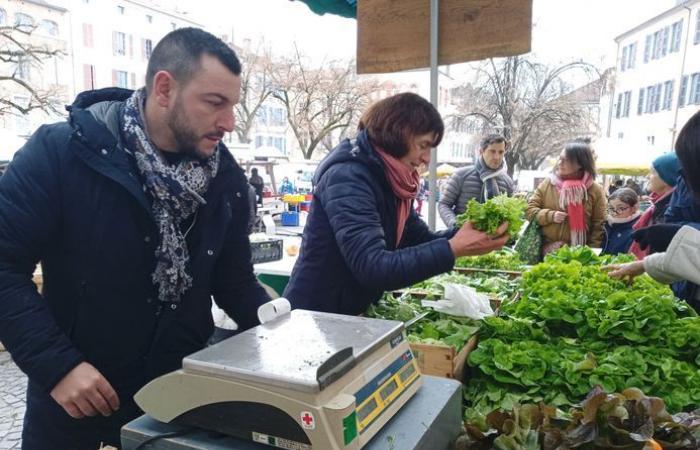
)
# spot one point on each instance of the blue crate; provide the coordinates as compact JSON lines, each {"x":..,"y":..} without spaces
{"x":290,"y":219}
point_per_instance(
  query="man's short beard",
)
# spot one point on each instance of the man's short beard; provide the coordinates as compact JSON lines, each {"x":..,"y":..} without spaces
{"x":186,"y":139}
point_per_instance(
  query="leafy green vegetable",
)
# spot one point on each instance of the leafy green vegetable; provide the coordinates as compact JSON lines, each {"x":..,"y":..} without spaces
{"x":498,"y":260}
{"x":625,"y":420}
{"x":574,"y":327}
{"x":488,"y":216}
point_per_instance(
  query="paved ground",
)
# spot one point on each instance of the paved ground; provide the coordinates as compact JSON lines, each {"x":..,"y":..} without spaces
{"x":13,"y":384}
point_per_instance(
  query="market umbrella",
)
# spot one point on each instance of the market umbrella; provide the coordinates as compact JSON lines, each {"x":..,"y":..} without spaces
{"x":443,"y":170}
{"x":344,"y":8}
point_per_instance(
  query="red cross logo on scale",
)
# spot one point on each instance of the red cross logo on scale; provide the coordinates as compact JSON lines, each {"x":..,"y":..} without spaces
{"x":307,"y":420}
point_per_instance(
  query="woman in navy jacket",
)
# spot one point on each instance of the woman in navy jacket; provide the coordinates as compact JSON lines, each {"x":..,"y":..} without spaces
{"x":362,"y":236}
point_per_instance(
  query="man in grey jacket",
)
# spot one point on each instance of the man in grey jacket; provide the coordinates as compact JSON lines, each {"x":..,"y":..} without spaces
{"x":482,"y":181}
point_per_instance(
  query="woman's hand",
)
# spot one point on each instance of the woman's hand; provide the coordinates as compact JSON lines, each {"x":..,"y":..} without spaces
{"x":560,"y":216}
{"x":470,"y":242}
{"x":625,"y":271}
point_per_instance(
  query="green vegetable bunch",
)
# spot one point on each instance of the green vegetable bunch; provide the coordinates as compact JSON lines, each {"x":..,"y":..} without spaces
{"x":488,"y":216}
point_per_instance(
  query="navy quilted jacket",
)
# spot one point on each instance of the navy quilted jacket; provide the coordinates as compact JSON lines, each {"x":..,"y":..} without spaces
{"x":348,"y":254}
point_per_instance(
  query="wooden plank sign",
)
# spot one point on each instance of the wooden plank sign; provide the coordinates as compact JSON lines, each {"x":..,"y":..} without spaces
{"x":394,"y":35}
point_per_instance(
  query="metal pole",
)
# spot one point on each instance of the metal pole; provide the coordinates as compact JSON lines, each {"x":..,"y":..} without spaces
{"x":434,"y":18}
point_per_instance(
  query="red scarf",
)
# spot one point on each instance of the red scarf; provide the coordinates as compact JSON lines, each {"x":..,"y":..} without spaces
{"x":405,"y":184}
{"x":644,"y":221}
{"x":572,"y":195}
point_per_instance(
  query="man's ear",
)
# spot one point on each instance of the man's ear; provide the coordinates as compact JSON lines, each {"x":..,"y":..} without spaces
{"x":164,"y":88}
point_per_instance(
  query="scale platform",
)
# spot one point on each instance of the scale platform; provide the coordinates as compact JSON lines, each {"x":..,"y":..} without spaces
{"x":305,"y":380}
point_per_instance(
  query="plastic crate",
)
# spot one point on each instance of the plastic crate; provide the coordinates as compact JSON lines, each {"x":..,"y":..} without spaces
{"x":266,"y":251}
{"x":290,"y":219}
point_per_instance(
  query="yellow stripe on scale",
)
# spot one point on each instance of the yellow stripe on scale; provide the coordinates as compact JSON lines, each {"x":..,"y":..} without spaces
{"x":386,"y":393}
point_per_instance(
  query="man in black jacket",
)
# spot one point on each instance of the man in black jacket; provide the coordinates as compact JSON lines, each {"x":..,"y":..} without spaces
{"x":138,"y":214}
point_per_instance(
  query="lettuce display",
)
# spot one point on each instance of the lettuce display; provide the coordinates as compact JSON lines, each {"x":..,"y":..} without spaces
{"x":498,"y":260}
{"x":436,"y":328}
{"x":625,"y":420}
{"x":488,"y":216}
{"x":574,"y":328}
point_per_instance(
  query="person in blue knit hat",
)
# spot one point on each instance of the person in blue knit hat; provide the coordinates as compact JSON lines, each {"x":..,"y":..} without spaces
{"x":663,"y":176}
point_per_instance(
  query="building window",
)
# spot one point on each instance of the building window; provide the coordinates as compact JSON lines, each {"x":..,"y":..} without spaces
{"x":668,"y":95}
{"x":683,"y":91}
{"x":640,"y":103}
{"x":24,"y":20}
{"x":89,"y":77}
{"x":694,"y":89}
{"x":23,"y":68}
{"x":120,"y":78}
{"x":677,"y":31}
{"x":120,"y":10}
{"x":657,"y":97}
{"x":149,"y":18}
{"x":618,"y":107}
{"x":648,"y":105}
{"x":626,"y":104}
{"x":647,"y":48}
{"x":3,"y":17}
{"x":623,"y":62}
{"x":651,"y":139}
{"x":696,"y":39}
{"x":87,"y":35}
{"x":173,"y":25}
{"x":119,"y":43}
{"x":49,"y":27}
{"x":632,"y":55}
{"x":147,"y":48}
{"x":665,"y":40}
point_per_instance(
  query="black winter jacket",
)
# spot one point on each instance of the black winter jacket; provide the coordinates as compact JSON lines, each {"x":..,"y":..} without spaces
{"x":348,"y":255}
{"x":72,"y":198}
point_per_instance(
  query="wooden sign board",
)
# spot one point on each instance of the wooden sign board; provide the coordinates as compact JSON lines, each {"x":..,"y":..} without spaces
{"x":394,"y":35}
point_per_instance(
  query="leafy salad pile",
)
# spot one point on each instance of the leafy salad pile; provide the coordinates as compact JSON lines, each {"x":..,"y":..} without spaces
{"x":498,"y":260}
{"x":488,"y":216}
{"x":625,"y":420}
{"x":437,"y":328}
{"x":575,"y":328}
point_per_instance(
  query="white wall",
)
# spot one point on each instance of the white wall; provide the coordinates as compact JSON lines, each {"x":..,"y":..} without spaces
{"x":657,"y":128}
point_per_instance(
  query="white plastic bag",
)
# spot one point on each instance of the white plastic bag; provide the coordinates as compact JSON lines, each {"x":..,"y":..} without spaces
{"x":463,"y":301}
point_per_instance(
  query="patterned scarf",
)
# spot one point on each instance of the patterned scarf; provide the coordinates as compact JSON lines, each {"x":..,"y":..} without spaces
{"x":405,"y":184}
{"x":176,"y":191}
{"x":572,"y":195}
{"x":489,"y":179}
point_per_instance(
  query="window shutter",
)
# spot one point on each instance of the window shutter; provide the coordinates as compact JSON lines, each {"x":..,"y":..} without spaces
{"x":114,"y":77}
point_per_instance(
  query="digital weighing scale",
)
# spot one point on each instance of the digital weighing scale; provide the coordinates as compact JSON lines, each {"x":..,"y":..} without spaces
{"x":304,"y":380}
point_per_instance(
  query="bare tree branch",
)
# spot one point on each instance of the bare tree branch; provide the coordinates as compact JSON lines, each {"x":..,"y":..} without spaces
{"x":527,"y":102}
{"x":21,"y":52}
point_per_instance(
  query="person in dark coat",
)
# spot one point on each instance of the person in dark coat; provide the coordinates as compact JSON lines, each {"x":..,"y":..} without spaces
{"x":258,"y":184}
{"x":663,"y":176}
{"x":623,"y":213}
{"x":362,"y":236}
{"x":486,"y":179}
{"x":138,"y":214}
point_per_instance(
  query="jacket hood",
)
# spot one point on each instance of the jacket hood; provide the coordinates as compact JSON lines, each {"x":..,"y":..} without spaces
{"x":357,"y":150}
{"x":94,"y":111}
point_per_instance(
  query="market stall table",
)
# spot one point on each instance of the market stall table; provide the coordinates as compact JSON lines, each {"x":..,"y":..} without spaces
{"x":429,"y":421}
{"x":276,"y":273}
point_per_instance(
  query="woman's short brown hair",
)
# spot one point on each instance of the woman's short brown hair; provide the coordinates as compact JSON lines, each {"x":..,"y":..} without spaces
{"x":391,"y":122}
{"x":580,"y":151}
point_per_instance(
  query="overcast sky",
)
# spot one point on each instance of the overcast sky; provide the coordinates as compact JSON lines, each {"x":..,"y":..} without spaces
{"x":562,"y":28}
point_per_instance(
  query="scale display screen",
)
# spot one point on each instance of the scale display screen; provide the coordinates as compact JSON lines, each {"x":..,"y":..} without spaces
{"x":366,"y":409}
{"x":379,"y":393}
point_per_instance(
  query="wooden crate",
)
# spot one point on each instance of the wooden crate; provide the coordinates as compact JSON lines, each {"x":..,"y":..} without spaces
{"x":441,"y":360}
